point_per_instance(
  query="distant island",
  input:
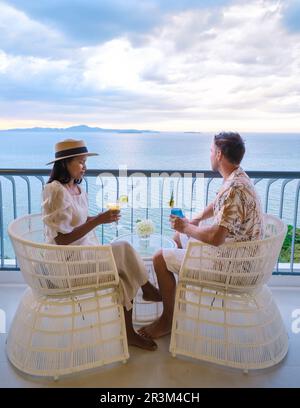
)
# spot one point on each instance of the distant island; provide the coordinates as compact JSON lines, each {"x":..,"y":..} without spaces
{"x":80,"y":128}
{"x":190,"y":131}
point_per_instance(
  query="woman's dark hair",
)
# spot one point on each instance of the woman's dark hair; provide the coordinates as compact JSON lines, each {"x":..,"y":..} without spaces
{"x":60,"y":172}
{"x":231,"y":145}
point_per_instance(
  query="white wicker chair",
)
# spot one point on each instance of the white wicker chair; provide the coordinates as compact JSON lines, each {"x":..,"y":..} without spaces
{"x":70,"y":319}
{"x":224,"y":313}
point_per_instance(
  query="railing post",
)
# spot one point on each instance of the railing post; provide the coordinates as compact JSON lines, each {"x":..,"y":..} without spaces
{"x":295,"y":227}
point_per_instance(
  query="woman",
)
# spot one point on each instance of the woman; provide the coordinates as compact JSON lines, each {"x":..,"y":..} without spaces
{"x":66,"y":221}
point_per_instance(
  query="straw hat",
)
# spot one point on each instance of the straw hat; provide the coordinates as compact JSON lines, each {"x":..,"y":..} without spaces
{"x":70,"y":148}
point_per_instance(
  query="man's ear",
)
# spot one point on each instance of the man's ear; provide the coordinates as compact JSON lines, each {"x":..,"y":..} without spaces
{"x":219,"y":154}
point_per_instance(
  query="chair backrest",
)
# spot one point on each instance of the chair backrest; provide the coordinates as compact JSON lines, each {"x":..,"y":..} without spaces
{"x":58,"y":269}
{"x":238,"y":266}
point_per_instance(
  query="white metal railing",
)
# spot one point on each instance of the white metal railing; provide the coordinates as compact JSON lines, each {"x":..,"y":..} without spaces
{"x":149,"y":193}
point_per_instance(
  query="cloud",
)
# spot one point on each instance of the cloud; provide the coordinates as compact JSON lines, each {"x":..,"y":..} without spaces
{"x":187,"y":66}
{"x":20,"y":35}
{"x":32,"y":78}
{"x":93,"y":21}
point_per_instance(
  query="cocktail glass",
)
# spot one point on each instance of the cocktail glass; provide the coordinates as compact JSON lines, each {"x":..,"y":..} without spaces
{"x":114,"y":207}
{"x":177,"y":212}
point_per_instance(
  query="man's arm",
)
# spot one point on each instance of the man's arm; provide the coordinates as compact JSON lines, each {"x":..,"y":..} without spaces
{"x":208,"y":212}
{"x":212,"y":234}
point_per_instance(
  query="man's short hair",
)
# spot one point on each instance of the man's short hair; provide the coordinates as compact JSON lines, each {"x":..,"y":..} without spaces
{"x":231,"y":145}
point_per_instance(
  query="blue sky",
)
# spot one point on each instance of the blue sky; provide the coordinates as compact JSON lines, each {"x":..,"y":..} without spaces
{"x":156,"y":64}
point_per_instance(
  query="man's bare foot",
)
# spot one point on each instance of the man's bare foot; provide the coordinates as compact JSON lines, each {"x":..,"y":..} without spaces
{"x":151,"y":293}
{"x":144,"y":330}
{"x":140,"y":341}
{"x":161,"y":327}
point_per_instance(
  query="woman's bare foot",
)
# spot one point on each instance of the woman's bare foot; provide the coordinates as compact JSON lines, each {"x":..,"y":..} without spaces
{"x":161,"y":327}
{"x":151,"y":293}
{"x":140,"y":341}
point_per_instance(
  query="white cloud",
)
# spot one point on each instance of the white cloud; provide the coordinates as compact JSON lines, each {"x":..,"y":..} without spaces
{"x":116,"y":64}
{"x":22,"y":35}
{"x":238,"y":65}
{"x":92,"y":22}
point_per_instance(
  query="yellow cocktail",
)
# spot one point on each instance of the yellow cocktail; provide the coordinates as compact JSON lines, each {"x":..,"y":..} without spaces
{"x":113,"y":206}
{"x":116,"y":206}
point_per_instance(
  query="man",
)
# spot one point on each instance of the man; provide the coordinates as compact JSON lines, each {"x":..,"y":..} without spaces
{"x":237,"y":216}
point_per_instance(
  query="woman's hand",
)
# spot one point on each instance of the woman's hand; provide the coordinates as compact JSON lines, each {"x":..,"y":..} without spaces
{"x":108,"y":216}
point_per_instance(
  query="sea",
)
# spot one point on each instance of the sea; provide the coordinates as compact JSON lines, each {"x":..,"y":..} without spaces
{"x":162,"y":150}
{"x":144,"y":151}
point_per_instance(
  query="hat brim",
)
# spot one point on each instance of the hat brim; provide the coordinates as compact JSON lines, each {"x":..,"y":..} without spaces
{"x":73,"y":155}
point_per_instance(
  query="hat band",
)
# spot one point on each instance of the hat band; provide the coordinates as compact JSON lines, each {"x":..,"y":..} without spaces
{"x":71,"y":152}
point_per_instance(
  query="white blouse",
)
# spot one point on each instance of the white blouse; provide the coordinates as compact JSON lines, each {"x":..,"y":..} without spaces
{"x":62,"y":212}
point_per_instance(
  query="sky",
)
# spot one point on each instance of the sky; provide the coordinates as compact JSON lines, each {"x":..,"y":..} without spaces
{"x":178,"y":65}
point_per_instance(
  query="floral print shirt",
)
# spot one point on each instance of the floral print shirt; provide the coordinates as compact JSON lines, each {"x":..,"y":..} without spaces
{"x":237,"y":207}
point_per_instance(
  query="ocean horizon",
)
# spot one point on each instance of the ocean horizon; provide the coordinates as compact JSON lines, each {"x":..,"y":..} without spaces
{"x":149,"y":150}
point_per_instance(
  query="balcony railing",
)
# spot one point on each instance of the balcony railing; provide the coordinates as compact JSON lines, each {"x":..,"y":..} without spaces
{"x":148,"y":195}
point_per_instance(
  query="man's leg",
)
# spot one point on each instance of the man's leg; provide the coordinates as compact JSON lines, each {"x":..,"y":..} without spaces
{"x":133,"y":338}
{"x":167,"y":286}
{"x":177,"y":240}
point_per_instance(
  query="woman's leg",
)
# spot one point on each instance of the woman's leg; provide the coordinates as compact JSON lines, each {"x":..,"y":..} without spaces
{"x":135,"y":339}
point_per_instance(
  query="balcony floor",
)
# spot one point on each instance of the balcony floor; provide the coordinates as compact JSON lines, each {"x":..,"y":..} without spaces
{"x":159,"y":369}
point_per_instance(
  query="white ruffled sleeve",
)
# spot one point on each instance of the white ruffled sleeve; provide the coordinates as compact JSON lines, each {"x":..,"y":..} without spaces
{"x":57,"y":211}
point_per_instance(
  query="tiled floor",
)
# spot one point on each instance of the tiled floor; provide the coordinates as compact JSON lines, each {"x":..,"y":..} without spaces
{"x":159,"y":368}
